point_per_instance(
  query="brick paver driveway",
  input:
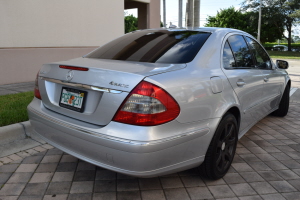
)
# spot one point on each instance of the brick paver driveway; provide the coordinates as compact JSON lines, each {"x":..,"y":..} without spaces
{"x":266,"y":166}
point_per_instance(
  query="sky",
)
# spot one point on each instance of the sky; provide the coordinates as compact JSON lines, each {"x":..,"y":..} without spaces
{"x":207,"y":7}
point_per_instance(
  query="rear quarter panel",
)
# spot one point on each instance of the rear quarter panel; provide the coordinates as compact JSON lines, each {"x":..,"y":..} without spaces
{"x":192,"y":89}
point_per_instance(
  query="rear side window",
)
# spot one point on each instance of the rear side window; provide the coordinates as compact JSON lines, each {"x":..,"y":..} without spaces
{"x":262,"y":59}
{"x":228,"y":59}
{"x":154,"y":46}
{"x":241,"y":52}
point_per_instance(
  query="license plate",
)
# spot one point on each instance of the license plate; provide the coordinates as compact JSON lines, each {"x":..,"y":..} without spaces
{"x":72,"y":99}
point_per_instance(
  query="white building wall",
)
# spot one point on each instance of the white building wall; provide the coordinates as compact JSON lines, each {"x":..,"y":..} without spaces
{"x":54,"y":30}
{"x":60,"y":23}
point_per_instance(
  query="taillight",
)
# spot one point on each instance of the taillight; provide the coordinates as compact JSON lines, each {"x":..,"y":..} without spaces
{"x":36,"y":87}
{"x":74,"y":68}
{"x":147,"y":105}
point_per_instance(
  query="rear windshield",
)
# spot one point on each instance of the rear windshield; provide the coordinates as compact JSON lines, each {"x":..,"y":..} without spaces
{"x":154,"y":46}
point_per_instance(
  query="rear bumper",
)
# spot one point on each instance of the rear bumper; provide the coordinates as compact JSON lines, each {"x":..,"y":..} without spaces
{"x":142,"y":158}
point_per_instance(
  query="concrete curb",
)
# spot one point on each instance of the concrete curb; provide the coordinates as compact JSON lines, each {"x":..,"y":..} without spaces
{"x":18,"y":137}
{"x":11,"y":133}
{"x":18,"y":131}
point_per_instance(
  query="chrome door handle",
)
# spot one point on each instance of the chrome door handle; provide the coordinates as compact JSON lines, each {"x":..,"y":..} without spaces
{"x":266,"y":79}
{"x":240,"y":83}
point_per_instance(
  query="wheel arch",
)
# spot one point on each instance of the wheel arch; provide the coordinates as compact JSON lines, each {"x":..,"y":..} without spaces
{"x":235,"y":111}
{"x":288,"y":83}
{"x":206,"y":167}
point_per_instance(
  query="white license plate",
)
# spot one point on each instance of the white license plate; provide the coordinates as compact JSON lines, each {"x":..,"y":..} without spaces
{"x":72,"y":99}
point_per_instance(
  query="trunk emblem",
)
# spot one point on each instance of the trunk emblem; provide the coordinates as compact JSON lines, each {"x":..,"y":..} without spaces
{"x":118,"y":84}
{"x":69,"y":75}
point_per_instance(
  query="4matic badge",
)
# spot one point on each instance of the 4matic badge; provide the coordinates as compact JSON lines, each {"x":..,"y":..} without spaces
{"x":118,"y":84}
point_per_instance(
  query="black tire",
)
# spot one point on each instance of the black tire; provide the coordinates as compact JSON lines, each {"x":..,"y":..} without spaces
{"x":284,"y":104}
{"x":221,"y":150}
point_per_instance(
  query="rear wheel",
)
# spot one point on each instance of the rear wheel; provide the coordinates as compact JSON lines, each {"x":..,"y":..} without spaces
{"x":284,"y":103}
{"x":222,"y":148}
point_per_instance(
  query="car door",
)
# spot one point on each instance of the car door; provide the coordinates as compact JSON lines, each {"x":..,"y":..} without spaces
{"x":245,"y":79}
{"x":272,"y":79}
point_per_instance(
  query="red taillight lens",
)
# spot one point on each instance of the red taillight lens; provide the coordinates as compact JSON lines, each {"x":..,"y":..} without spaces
{"x":74,"y":68}
{"x":147,"y":105}
{"x":36,"y":87}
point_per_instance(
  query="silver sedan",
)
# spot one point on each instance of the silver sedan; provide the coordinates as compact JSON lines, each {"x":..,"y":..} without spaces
{"x":158,"y":101}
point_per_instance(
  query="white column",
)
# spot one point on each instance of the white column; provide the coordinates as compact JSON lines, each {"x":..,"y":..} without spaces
{"x":196,"y":13}
{"x":164,"y":13}
{"x":190,"y":14}
{"x":180,"y":13}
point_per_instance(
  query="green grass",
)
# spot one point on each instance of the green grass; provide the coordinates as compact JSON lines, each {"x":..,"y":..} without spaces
{"x":284,"y":54}
{"x":13,"y":107}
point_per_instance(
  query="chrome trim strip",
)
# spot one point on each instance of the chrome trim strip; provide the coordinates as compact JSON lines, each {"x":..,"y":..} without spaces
{"x":201,"y":132}
{"x":245,"y":130}
{"x":78,"y":85}
{"x":273,"y":97}
{"x":253,"y":106}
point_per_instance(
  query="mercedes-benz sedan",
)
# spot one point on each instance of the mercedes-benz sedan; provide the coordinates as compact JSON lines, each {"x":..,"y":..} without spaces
{"x":159,"y":101}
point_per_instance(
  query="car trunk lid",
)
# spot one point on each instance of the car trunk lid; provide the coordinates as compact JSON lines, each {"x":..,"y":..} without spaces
{"x":103,"y":87}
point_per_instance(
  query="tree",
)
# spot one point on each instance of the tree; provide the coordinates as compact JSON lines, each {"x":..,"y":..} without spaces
{"x":246,"y":21}
{"x":130,"y":23}
{"x":296,"y":14}
{"x":281,"y":13}
{"x":268,"y":32}
{"x":295,"y":38}
{"x":228,"y":18}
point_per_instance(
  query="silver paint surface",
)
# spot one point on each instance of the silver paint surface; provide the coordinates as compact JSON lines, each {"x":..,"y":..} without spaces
{"x":204,"y":90}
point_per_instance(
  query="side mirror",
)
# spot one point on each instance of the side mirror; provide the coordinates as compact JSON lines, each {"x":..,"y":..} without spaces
{"x":282,"y":64}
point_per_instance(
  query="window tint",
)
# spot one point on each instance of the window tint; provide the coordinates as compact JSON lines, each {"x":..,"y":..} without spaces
{"x":157,"y":46}
{"x":262,"y":59}
{"x":228,"y":59}
{"x":241,"y":51}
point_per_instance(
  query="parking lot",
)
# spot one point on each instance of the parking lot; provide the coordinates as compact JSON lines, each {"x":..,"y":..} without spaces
{"x":266,"y":166}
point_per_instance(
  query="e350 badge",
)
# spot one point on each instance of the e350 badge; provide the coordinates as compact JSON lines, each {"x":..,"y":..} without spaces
{"x":118,"y":84}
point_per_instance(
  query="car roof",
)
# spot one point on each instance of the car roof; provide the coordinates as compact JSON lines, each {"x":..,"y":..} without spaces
{"x":204,"y":29}
{"x":221,"y":31}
